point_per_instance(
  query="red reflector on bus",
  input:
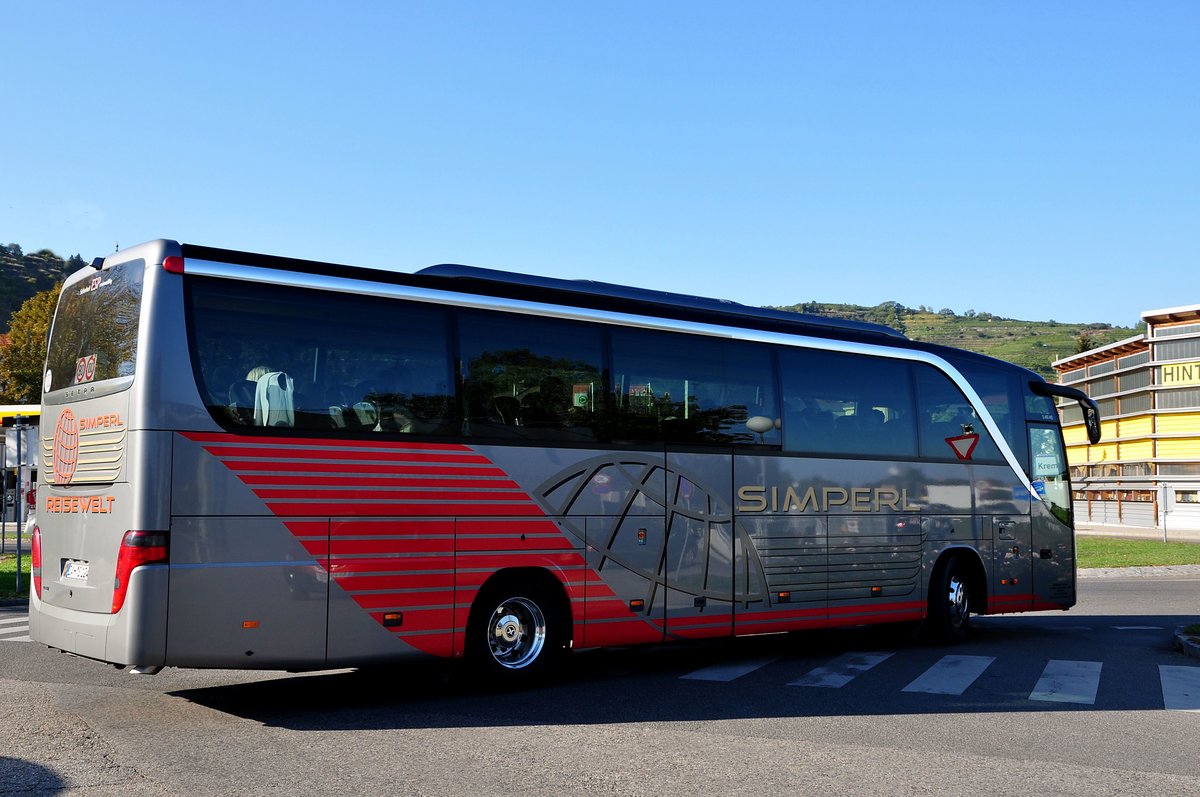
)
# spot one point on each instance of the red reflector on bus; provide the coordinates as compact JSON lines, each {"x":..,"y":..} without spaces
{"x":35,"y":561}
{"x":173,"y":264}
{"x":393,"y":619}
{"x":637,"y":605}
{"x":137,"y":549}
{"x":876,"y":592}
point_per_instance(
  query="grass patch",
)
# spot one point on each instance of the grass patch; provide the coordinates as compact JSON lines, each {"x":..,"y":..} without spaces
{"x":8,"y":574}
{"x":1113,"y":552}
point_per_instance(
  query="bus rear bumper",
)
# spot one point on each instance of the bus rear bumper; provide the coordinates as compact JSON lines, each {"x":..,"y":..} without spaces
{"x":70,"y":630}
{"x":136,"y":635}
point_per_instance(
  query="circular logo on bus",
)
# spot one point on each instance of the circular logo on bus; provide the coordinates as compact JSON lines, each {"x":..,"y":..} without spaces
{"x":66,"y":447}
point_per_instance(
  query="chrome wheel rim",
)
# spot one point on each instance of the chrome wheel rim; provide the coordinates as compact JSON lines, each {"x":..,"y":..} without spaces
{"x":516,"y":633}
{"x":960,"y":605}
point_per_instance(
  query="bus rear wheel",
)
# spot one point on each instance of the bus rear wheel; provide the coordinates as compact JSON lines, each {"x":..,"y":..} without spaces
{"x":516,"y":633}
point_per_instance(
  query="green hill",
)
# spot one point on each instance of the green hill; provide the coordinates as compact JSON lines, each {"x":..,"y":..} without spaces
{"x":22,"y":275}
{"x":1032,"y":344}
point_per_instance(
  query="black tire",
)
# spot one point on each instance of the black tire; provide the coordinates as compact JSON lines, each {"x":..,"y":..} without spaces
{"x":516,"y":634}
{"x":949,"y":620}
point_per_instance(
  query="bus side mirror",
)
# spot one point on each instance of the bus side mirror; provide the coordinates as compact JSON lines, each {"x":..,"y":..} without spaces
{"x":1091,"y":418}
{"x":1091,"y":412}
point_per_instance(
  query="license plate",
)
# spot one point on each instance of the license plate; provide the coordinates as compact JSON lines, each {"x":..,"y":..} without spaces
{"x":74,"y":568}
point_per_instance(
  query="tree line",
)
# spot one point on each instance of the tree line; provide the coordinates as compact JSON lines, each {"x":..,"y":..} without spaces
{"x":29,"y":286}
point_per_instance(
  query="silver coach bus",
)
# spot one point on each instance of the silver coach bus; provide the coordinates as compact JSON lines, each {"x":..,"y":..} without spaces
{"x":253,"y":461}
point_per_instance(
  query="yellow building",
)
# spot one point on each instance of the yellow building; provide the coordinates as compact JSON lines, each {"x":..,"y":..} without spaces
{"x":1146,"y":469}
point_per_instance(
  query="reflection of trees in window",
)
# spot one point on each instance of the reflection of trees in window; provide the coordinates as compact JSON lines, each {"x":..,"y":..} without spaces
{"x":644,"y":414}
{"x":519,"y":388}
{"x":98,"y":318}
{"x":23,"y":359}
{"x":404,"y":404}
{"x":691,"y":389}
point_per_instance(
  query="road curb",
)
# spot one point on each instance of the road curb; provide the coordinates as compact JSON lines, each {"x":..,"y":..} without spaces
{"x":1187,"y":645}
{"x":1159,"y":571}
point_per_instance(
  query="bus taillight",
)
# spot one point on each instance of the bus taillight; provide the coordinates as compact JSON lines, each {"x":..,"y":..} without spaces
{"x":35,"y":561}
{"x":137,"y":549}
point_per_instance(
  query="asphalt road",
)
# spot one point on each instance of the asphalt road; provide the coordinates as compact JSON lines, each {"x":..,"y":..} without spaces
{"x":1047,"y":703}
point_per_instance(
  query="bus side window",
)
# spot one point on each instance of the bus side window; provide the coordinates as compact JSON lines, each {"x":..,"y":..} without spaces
{"x":326,"y":349}
{"x":945,"y":414}
{"x":692,"y":389}
{"x":847,"y":404}
{"x":531,"y":378}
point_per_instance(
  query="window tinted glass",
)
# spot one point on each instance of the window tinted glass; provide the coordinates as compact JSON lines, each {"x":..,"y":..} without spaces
{"x":531,"y":378}
{"x":96,"y":327}
{"x":1041,"y":408}
{"x":847,"y":404}
{"x":1004,"y":396}
{"x":268,"y":356}
{"x":946,"y":414}
{"x":687,"y":389}
{"x":1049,"y":469}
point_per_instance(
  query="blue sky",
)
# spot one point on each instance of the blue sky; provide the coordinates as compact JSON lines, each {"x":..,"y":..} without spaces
{"x":1034,"y":160}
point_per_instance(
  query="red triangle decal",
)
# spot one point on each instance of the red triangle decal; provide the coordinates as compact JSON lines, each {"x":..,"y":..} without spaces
{"x":964,"y":445}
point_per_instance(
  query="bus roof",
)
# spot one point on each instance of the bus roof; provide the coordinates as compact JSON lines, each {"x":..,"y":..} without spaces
{"x":612,"y":296}
{"x":581,"y":293}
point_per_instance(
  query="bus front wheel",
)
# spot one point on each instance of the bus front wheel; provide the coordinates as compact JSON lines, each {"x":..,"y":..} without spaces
{"x":949,"y":619}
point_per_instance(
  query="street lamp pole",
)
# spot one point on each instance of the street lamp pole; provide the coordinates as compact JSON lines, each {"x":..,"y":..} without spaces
{"x":19,"y":426}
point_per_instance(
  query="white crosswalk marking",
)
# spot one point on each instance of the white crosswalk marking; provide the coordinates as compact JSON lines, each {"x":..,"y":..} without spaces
{"x":728,"y":672}
{"x":1061,"y":681}
{"x":1180,"y":687}
{"x":842,"y":670}
{"x":14,"y":629}
{"x":951,"y":675}
{"x":1068,"y":682}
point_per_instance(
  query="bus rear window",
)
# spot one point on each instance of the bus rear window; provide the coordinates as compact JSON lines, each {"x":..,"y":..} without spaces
{"x":95,"y":330}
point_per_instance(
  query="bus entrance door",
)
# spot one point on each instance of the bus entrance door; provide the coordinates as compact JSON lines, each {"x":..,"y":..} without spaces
{"x":699,"y":552}
{"x":1012,"y":570}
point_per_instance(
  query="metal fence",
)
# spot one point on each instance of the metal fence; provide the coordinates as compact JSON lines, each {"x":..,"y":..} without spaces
{"x":18,"y":460}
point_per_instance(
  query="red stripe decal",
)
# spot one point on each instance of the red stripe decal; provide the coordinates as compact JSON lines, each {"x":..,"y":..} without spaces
{"x":417,"y":528}
{"x":244,"y":466}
